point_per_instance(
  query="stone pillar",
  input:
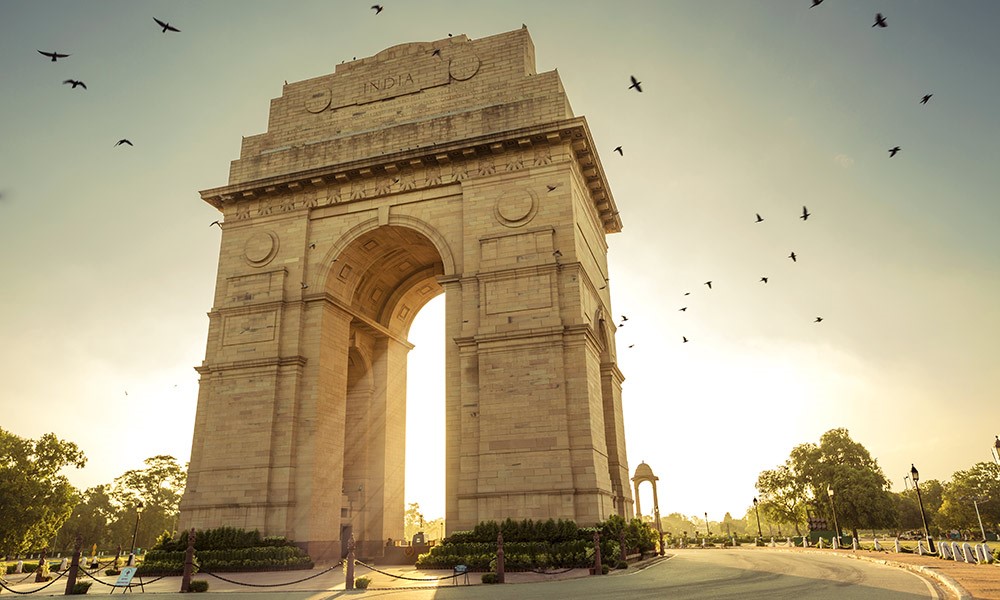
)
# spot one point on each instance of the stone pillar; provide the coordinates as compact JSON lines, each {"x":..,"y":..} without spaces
{"x":500,"y":565}
{"x":74,"y":565}
{"x":188,"y":563}
{"x":597,"y":554}
{"x":349,"y":581}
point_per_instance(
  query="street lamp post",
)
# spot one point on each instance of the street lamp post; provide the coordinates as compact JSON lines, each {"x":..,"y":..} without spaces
{"x":975,"y":503}
{"x":996,"y":450}
{"x":760,"y":534}
{"x":915,"y":476}
{"x":135,"y":531}
{"x":708,"y":530}
{"x":833,"y":507}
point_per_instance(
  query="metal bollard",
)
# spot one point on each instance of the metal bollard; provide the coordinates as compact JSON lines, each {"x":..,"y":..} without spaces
{"x":74,"y":566}
{"x":349,"y":581}
{"x":500,"y":565}
{"x":188,"y":564}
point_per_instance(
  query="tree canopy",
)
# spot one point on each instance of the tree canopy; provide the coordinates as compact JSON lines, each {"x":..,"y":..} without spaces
{"x":35,"y":499}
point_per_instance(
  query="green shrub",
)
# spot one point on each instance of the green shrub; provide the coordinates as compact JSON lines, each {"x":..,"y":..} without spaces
{"x":490,"y":578}
{"x":621,"y":565}
{"x":605,"y":569}
{"x":362,"y":583}
{"x":81,"y":587}
{"x":112,"y":572}
{"x":198,"y":585}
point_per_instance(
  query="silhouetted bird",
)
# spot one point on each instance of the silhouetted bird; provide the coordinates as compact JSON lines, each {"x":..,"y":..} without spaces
{"x":792,"y":256}
{"x":312,"y":246}
{"x":683,"y":309}
{"x":925,"y":98}
{"x":624,"y":318}
{"x":893,"y":151}
{"x":685,"y":339}
{"x":123,"y":141}
{"x":689,"y":293}
{"x":53,"y":55}
{"x":763,"y":279}
{"x":879,"y":21}
{"x":437,"y":52}
{"x":708,"y":283}
{"x":305,"y":285}
{"x":166,"y":26}
{"x":635,"y":83}
{"x":818,"y":320}
{"x":805,"y":214}
{"x":602,"y":287}
{"x":377,"y":8}
{"x":557,"y":254}
{"x":759,"y":218}
{"x":618,"y":149}
{"x":631,"y":345}
{"x":552,"y":187}
{"x":816,"y":3}
{"x":75,"y":83}
{"x":215,"y":223}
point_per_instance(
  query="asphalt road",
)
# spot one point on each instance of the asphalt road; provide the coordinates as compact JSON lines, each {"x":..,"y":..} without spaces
{"x":716,"y":574}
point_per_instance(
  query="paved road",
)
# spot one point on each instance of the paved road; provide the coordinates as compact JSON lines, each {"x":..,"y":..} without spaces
{"x":716,"y":574}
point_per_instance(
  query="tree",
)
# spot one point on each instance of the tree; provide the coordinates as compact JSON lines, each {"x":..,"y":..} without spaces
{"x":782,"y":496}
{"x":157,"y":488}
{"x":676,"y":524}
{"x":958,"y":511}
{"x":862,"y":497}
{"x":908,"y":508}
{"x":413,"y":520}
{"x":90,"y":518}
{"x":35,"y":499}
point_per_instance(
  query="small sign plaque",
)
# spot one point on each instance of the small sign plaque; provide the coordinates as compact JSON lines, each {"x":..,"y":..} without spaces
{"x":125,"y":578}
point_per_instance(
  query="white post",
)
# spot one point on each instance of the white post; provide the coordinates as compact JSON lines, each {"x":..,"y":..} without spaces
{"x":920,"y":547}
{"x":854,"y":544}
{"x":956,"y":551}
{"x":836,"y":542}
{"x":20,"y":567}
{"x":772,"y":542}
{"x":877,"y":547}
{"x":820,"y":544}
{"x":899,"y":548}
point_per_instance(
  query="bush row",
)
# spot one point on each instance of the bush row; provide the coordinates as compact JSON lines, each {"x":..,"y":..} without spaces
{"x":220,"y":538}
{"x":275,"y":553}
{"x":171,"y":567}
{"x":519,"y":531}
{"x":518,"y":556}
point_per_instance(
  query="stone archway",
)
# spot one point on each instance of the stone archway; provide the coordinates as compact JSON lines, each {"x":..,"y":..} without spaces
{"x":399,"y":177}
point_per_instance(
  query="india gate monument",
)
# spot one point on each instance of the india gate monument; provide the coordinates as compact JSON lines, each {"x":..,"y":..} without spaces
{"x":433,"y":167}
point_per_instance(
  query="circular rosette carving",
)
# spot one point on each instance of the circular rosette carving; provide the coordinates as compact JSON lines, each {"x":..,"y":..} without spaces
{"x":260,"y":248}
{"x":515,"y":208}
{"x":463,"y":65}
{"x":318,"y":100}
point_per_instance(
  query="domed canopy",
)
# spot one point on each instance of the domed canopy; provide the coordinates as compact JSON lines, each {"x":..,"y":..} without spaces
{"x":644,"y":473}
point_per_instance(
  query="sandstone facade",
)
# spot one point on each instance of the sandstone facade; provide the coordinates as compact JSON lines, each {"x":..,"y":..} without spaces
{"x":449,"y":166}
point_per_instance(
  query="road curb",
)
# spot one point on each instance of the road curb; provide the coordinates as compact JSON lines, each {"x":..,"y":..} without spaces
{"x":953,"y":586}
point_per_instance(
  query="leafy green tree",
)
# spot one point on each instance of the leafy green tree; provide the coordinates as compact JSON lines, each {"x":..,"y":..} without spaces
{"x":908,"y":509}
{"x":413,"y":520}
{"x":783,"y":497}
{"x":862,"y":497}
{"x":958,"y":511}
{"x":676,"y":524}
{"x":35,"y":499}
{"x":90,"y":518}
{"x":153,"y":494}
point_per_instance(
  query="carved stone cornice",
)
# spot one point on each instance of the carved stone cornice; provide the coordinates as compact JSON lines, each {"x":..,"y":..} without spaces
{"x":254,"y":363}
{"x":574,"y":132}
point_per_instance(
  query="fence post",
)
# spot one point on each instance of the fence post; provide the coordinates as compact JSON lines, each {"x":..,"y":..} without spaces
{"x":597,"y":553}
{"x":43,"y":568}
{"x":188,"y":564}
{"x":74,"y":565}
{"x":349,"y":582}
{"x":500,"y":567}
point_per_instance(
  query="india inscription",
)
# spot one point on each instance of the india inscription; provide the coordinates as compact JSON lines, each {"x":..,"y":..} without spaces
{"x":340,"y":226}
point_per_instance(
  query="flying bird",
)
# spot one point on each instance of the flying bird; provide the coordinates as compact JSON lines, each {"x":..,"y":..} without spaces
{"x":631,"y":345}
{"x":708,"y":283}
{"x":689,"y":293}
{"x":215,"y":223}
{"x":166,"y":26}
{"x":818,"y":320}
{"x":925,"y":98}
{"x":551,"y":187}
{"x":816,"y":3}
{"x":805,"y":214}
{"x":53,"y":55}
{"x":793,"y":257}
{"x":635,"y":83}
{"x":312,"y":246}
{"x":879,"y":21}
{"x":437,"y":52}
{"x":75,"y":83}
{"x":618,"y":149}
{"x":759,"y":218}
{"x":624,"y":318}
{"x":763,"y":279}
{"x":685,"y":339}
{"x":893,"y":151}
{"x":682,"y":309}
{"x":123,"y":141}
{"x":377,"y":8}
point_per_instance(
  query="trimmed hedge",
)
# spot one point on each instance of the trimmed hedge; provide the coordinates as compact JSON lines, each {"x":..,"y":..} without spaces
{"x":222,"y":538}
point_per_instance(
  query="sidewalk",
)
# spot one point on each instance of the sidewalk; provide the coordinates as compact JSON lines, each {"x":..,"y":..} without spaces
{"x":980,"y":581}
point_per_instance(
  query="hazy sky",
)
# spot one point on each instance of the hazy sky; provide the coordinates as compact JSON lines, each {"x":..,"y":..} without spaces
{"x":109,"y":262}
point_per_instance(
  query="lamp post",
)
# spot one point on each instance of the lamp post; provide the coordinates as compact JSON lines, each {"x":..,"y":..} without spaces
{"x":708,"y":530}
{"x":833,"y":507}
{"x":975,"y":503}
{"x":915,"y":476}
{"x":996,"y":450}
{"x":760,"y":534}
{"x":135,"y":531}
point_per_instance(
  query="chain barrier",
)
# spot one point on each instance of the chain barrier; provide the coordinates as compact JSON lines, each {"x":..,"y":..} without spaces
{"x":540,"y":572}
{"x":267,"y":585}
{"x":55,"y":579}
{"x":371,"y":568}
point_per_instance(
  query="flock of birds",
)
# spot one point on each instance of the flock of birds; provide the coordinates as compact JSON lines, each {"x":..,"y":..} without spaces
{"x":635,"y":84}
{"x":75,"y":83}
